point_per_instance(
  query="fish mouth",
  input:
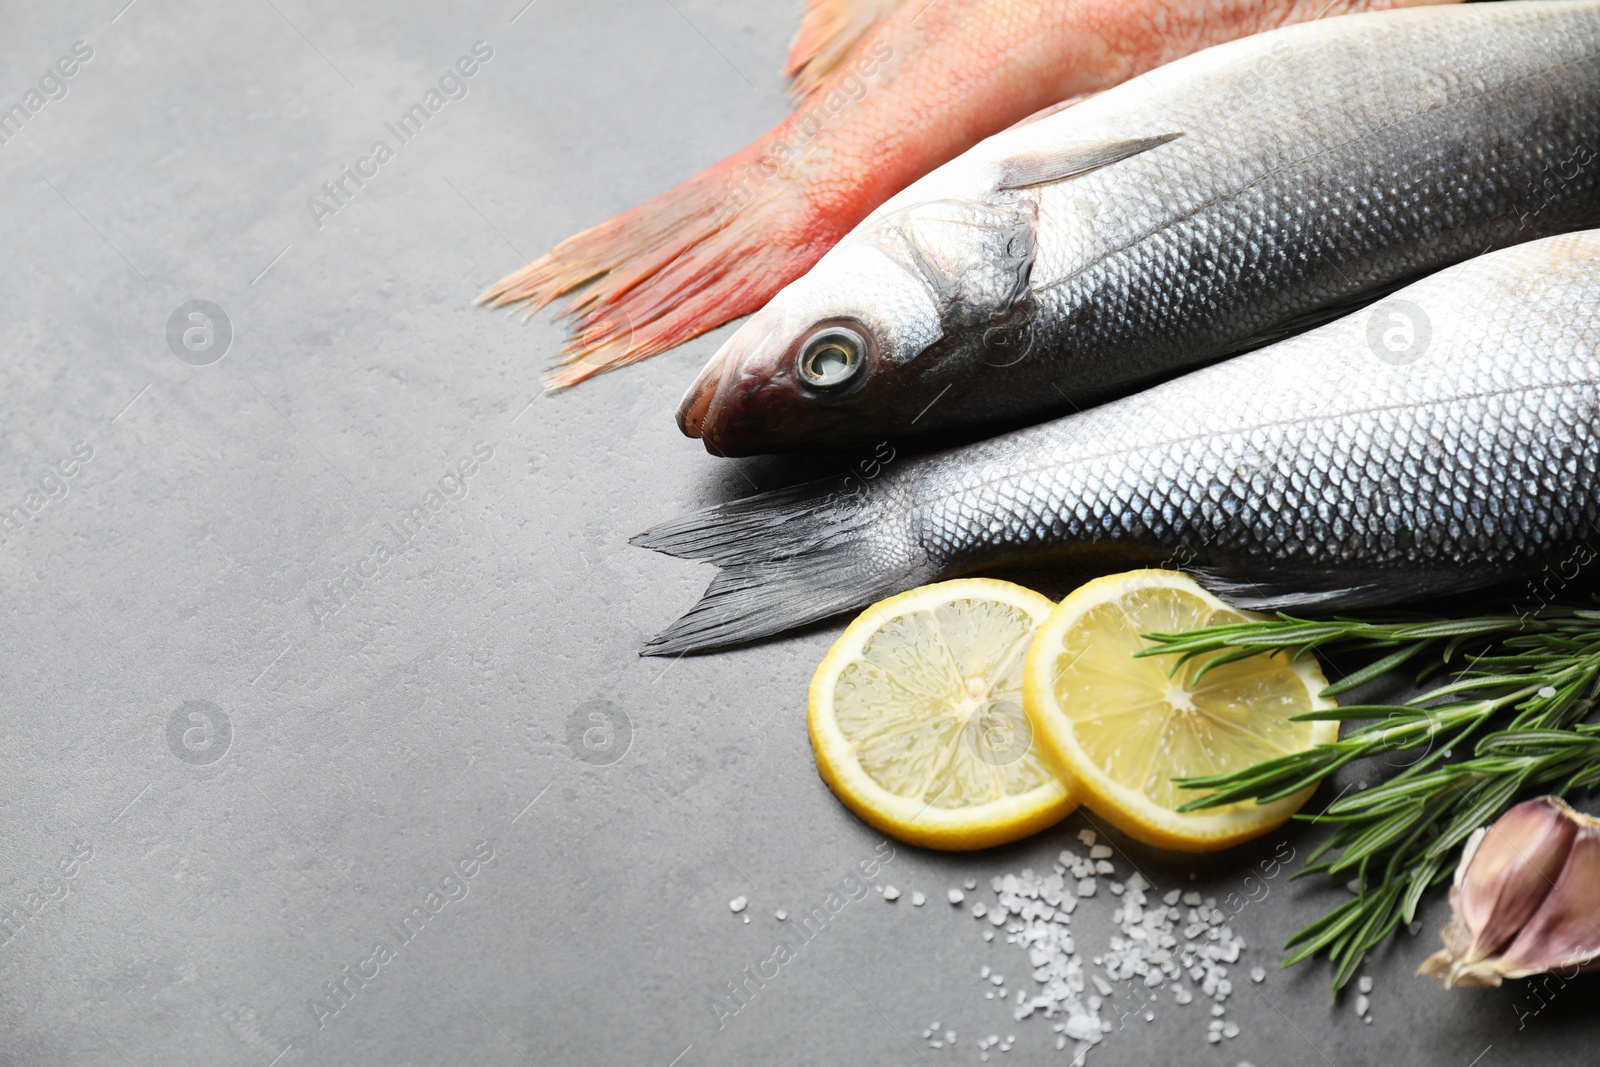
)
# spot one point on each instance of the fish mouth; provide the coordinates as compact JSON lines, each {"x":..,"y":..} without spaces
{"x":695,"y":408}
{"x":749,"y":401}
{"x":736,"y":404}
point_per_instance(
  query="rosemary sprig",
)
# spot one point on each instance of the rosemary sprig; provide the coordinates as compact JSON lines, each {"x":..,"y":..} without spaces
{"x":1518,"y":700}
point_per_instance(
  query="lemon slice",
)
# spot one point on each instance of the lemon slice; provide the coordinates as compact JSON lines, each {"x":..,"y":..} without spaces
{"x":1119,"y":729}
{"x":916,"y":717}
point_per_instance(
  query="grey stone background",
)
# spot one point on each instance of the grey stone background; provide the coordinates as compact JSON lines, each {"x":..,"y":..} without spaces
{"x":220,"y":785}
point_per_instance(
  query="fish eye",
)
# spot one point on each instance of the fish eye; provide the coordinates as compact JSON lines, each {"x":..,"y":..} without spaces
{"x":832,"y":356}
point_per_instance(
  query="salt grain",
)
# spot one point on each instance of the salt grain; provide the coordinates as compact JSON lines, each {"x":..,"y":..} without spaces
{"x":1364,"y":984}
{"x":954,"y":896}
{"x":891,"y":893}
{"x":1087,"y":837}
{"x":780,"y":915}
{"x":1258,"y":974}
{"x":738,"y":904}
{"x":1149,"y":948}
{"x":918,"y":898}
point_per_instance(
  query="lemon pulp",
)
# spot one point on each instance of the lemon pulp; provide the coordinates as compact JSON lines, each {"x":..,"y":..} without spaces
{"x":917,"y":723}
{"x":1123,"y":729}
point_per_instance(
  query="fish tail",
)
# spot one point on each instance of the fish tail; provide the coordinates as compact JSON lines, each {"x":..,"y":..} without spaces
{"x":713,"y":248}
{"x":787,"y":558}
{"x":830,"y":31}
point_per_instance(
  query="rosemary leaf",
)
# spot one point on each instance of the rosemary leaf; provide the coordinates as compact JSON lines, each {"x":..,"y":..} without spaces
{"x":1505,"y":719}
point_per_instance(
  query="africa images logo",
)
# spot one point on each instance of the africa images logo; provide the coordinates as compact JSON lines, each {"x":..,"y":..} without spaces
{"x":50,"y":486}
{"x":452,"y":85}
{"x":52,"y":85}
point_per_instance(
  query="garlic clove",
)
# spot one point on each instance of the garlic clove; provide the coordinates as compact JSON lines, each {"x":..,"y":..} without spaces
{"x":1501,"y":883}
{"x":1565,"y":931}
{"x":1526,"y":898}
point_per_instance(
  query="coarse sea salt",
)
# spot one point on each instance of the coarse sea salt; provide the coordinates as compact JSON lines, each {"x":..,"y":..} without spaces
{"x":738,"y":904}
{"x":1156,"y":948}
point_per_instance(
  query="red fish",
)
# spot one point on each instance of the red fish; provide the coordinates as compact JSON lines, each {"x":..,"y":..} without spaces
{"x":890,"y":90}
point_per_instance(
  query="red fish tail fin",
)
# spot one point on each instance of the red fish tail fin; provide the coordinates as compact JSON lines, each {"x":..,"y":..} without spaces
{"x":830,"y":30}
{"x":706,"y":251}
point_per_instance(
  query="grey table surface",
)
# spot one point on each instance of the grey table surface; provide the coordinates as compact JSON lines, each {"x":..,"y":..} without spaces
{"x":239,"y":744}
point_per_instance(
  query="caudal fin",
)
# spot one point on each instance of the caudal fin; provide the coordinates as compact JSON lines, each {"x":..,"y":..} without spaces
{"x":829,"y":31}
{"x":706,"y":251}
{"x":787,"y":558}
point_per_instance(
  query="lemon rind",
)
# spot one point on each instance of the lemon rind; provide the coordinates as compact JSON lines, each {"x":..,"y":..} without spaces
{"x":913,"y":820}
{"x":1126,"y":808}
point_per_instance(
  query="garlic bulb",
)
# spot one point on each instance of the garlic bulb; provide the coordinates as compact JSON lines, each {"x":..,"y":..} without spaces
{"x":1526,"y":898}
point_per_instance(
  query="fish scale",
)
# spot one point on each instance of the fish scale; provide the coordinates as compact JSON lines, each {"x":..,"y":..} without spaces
{"x":1325,"y":471}
{"x":1102,"y":334}
{"x":886,"y":91}
{"x":1226,"y":200}
{"x":1406,"y":469}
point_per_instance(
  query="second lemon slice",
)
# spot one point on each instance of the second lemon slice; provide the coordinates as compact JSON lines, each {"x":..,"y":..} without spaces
{"x":1121,"y":729}
{"x":916,"y":717}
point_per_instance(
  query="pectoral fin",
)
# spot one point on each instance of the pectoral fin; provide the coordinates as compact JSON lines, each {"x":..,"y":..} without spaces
{"x":1069,"y":161}
{"x":1322,"y":590}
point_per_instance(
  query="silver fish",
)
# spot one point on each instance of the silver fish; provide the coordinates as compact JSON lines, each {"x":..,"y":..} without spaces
{"x":1216,"y":204}
{"x":1440,"y":440}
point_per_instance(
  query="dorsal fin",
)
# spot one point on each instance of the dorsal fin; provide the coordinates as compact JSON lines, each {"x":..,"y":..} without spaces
{"x":1068,"y":161}
{"x":828,"y":32}
{"x":1046,"y":112}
